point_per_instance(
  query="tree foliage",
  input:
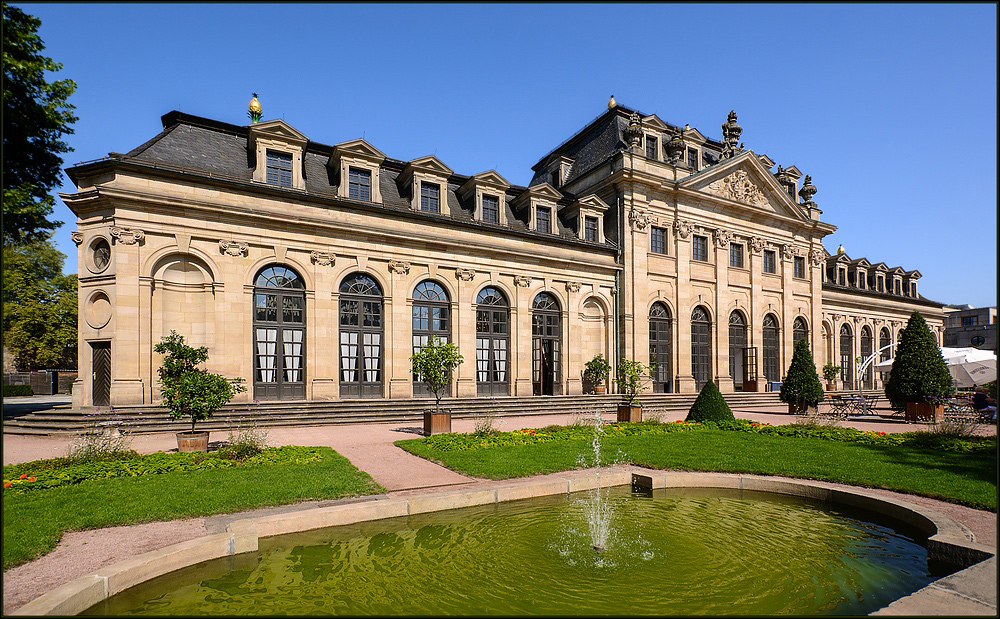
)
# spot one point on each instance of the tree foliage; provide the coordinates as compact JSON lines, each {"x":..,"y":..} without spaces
{"x":710,"y":405}
{"x":919,"y":371}
{"x":39,"y":307}
{"x":190,"y":391}
{"x":630,"y":379}
{"x":36,"y":115}
{"x":434,"y":364}
{"x":801,"y":385}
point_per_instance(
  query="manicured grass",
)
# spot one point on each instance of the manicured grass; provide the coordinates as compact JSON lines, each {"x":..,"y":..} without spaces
{"x":34,"y":522}
{"x":963,"y":478}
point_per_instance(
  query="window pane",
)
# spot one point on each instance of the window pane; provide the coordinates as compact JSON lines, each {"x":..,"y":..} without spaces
{"x":491,"y":209}
{"x":591,"y":229}
{"x":651,"y":144}
{"x":279,"y":169}
{"x":430,"y":198}
{"x":658,"y":240}
{"x":360,"y":184}
{"x":736,"y":255}
{"x":543,"y":220}
{"x":699,"y":248}
{"x":769,"y":262}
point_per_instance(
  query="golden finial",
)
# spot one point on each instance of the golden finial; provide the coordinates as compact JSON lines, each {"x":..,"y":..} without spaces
{"x":255,"y":110}
{"x":841,"y":251}
{"x":612,"y":104}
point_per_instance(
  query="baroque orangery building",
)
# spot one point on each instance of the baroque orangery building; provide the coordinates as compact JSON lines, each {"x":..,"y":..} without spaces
{"x":315,"y":271}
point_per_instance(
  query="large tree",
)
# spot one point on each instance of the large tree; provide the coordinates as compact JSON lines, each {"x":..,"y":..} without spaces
{"x":39,"y":307}
{"x":919,"y":371}
{"x":36,"y":115}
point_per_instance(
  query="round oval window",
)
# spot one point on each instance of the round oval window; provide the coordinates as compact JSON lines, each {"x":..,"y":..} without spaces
{"x":978,"y":340}
{"x":102,"y":254}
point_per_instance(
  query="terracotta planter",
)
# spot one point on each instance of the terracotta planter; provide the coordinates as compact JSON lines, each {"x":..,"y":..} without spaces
{"x":437,"y":423}
{"x":601,"y":389}
{"x":192,"y":441}
{"x":629,"y":413}
{"x":924,"y":411}
{"x":831,"y":386}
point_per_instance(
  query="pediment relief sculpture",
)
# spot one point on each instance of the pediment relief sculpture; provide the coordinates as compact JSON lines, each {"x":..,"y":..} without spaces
{"x":738,"y":186}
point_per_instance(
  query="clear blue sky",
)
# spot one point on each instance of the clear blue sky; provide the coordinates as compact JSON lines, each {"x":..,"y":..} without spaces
{"x":892,"y":109}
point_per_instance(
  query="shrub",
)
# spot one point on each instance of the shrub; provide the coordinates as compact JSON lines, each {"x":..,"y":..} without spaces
{"x":13,"y":391}
{"x":710,"y":405}
{"x":596,"y":371}
{"x":919,"y":372}
{"x":830,"y":371}
{"x":801,"y":386}
{"x":103,"y":440}
{"x":247,"y":437}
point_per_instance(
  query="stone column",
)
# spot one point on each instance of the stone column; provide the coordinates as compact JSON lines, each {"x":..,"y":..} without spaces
{"x":685,"y":303}
{"x":722,"y":301}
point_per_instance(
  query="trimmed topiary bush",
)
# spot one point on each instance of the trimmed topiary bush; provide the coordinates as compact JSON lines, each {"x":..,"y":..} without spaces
{"x":12,"y":391}
{"x":709,"y":405}
{"x":801,"y":386}
{"x":918,"y":372}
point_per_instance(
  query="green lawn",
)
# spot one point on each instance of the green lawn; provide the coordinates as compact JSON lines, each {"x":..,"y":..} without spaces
{"x":34,"y":522}
{"x":913,"y":468}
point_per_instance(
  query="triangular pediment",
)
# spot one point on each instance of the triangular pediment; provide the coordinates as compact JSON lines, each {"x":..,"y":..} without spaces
{"x":488,"y":178}
{"x":766,"y":161}
{"x":431,"y":164}
{"x":914,"y":274}
{"x":277,"y":130}
{"x":862,"y":262}
{"x":653,"y":122}
{"x":591,"y":201}
{"x":880,"y":266}
{"x":897,"y":270}
{"x":745,"y":180}
{"x":793,"y":171}
{"x":695,"y":136}
{"x":360,"y":148}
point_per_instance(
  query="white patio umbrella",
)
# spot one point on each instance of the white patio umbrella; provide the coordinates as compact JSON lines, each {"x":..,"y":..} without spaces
{"x":968,"y":366}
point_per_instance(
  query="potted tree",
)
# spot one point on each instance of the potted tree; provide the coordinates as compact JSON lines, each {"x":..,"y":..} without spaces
{"x":190,"y":391}
{"x":596,"y":372}
{"x":830,"y":371}
{"x":801,"y":389}
{"x":433,"y":365}
{"x":919,"y":380}
{"x":630,"y":380}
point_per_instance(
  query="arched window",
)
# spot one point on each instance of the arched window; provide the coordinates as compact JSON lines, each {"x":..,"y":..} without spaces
{"x":431,"y":318}
{"x":279,"y":327}
{"x":701,"y":347}
{"x":867,"y":346}
{"x":661,"y":357}
{"x":737,"y":344}
{"x":847,"y":356}
{"x":771,"y":362}
{"x":546,"y":340}
{"x":800,"y":330}
{"x":885,"y":350}
{"x":492,"y":342}
{"x":361,"y":334}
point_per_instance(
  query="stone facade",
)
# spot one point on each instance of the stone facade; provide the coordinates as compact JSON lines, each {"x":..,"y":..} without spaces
{"x":314,"y":271}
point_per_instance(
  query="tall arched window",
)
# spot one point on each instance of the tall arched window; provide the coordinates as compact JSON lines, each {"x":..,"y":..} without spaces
{"x":800,"y":330}
{"x":546,"y":340}
{"x":661,"y":357}
{"x":492,"y":342}
{"x":867,"y":345}
{"x":737,"y":344}
{"x":771,"y":362}
{"x":847,"y":356}
{"x":431,"y":318}
{"x":701,"y":347}
{"x":279,"y":327}
{"x":885,"y":351}
{"x":361,"y":334}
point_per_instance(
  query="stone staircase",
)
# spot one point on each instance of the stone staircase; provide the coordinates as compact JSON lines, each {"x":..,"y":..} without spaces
{"x":145,"y":419}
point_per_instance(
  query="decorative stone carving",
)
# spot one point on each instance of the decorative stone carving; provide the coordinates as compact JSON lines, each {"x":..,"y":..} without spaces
{"x":573,"y":286}
{"x":465,"y":275}
{"x":731,"y":132}
{"x":723,"y":237}
{"x":323,"y":258}
{"x":234,"y":248}
{"x":127,"y":236}
{"x":522,"y":280}
{"x":683,"y":228}
{"x":755,"y":244}
{"x":77,"y":237}
{"x":399,"y":266}
{"x":633,"y":133}
{"x":738,"y":186}
{"x":788,"y":252}
{"x":807,"y":192}
{"x":816,"y":257}
{"x":675,"y":148}
{"x":638,"y":219}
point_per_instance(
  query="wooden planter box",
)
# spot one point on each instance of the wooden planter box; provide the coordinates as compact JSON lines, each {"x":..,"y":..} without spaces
{"x":831,"y":386}
{"x":437,"y":423}
{"x":924,"y":411}
{"x":629,"y":413}
{"x":192,"y":441}
{"x":750,"y":386}
{"x":795,"y":409}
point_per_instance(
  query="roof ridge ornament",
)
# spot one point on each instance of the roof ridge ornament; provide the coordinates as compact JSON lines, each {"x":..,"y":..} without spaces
{"x":633,"y":133}
{"x":807,"y":192}
{"x":255,"y":111}
{"x":731,"y":131}
{"x":675,"y":147}
{"x":612,"y":104}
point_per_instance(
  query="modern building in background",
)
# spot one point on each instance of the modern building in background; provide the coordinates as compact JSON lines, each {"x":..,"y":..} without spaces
{"x":315,"y":271}
{"x":970,"y":327}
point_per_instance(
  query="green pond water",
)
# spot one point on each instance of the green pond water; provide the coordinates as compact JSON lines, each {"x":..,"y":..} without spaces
{"x":677,"y":552}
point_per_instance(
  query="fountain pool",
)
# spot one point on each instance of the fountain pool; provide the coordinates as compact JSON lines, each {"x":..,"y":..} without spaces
{"x":668,"y":552}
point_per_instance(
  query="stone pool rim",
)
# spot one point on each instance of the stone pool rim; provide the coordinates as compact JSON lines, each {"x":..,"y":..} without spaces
{"x":947,"y":539}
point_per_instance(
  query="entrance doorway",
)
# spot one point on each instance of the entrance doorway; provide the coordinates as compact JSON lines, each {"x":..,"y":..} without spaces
{"x":102,"y":373}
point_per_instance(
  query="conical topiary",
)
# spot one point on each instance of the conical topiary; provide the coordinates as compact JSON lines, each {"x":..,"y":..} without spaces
{"x":801,"y":386}
{"x":919,"y":371}
{"x":709,"y":405}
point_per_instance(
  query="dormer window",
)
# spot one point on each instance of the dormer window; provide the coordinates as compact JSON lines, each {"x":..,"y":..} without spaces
{"x":862,"y":280}
{"x":430,"y":198}
{"x":279,"y":168}
{"x":652,"y":144}
{"x":360,"y":185}
{"x":896,"y":287}
{"x":913,"y":289}
{"x":591,"y":229}
{"x":588,"y":212}
{"x":842,"y":277}
{"x":543,"y":219}
{"x":491,"y":209}
{"x":692,"y":159}
{"x":555,"y":178}
{"x":880,"y":283}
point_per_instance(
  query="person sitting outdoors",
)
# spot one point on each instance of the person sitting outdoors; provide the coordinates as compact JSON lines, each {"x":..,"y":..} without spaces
{"x":984,"y":404}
